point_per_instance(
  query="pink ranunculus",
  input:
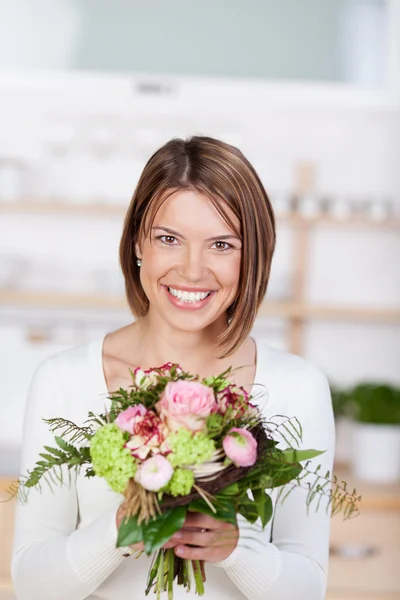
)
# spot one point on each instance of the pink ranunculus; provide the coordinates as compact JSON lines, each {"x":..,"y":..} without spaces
{"x":127,"y":418}
{"x":154,"y":473}
{"x":148,"y":434}
{"x":241,"y":447}
{"x":186,"y":404}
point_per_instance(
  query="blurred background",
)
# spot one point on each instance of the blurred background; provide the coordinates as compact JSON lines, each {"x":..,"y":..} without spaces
{"x":309,"y":90}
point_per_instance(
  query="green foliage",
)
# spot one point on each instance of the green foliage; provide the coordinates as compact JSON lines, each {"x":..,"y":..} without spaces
{"x":368,"y":402}
{"x":293,"y":455}
{"x":215,"y":425}
{"x":155,"y":533}
{"x":224,"y":508}
{"x":68,"y":429}
{"x":158,"y":531}
{"x":49,"y":471}
{"x":219,"y":382}
{"x":129,"y":532}
{"x":376,"y":403}
{"x":263,"y":502}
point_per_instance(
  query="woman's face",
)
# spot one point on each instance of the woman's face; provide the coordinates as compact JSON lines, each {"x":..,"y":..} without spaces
{"x":190,"y":262}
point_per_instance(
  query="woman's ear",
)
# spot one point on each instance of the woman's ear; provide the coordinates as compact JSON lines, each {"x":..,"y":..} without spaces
{"x":138,"y":251}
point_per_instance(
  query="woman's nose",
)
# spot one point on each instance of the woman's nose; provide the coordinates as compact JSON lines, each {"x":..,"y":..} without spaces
{"x":192,"y":266}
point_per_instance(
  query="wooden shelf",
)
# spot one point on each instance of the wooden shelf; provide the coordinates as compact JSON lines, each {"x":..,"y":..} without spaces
{"x":278,"y":309}
{"x":61,"y":207}
{"x":42,"y":207}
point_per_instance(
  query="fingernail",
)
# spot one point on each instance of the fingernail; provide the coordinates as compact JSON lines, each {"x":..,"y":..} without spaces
{"x":177,"y":536}
{"x":179,"y":549}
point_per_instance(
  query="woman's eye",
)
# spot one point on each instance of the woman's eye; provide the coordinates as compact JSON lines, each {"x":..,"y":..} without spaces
{"x":222,"y":245}
{"x":168,"y":240}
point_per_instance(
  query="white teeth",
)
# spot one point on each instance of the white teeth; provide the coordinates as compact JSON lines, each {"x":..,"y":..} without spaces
{"x":188,"y":296}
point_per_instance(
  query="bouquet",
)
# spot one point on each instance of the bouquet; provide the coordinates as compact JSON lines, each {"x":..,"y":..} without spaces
{"x":174,"y":443}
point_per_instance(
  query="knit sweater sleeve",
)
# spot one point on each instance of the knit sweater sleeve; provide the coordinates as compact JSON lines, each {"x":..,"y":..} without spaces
{"x":51,"y":557}
{"x":293,"y":564}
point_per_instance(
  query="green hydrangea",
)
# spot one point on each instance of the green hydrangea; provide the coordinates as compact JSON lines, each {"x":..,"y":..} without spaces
{"x":181,"y":482}
{"x":110,"y":459}
{"x":189,"y":449}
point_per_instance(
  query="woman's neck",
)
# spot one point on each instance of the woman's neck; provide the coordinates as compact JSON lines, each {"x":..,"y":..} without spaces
{"x":195,"y":351}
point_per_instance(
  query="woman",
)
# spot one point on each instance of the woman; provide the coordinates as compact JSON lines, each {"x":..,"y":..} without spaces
{"x":196,"y":251}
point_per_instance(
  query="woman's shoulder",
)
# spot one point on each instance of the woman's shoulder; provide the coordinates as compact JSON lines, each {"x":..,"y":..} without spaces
{"x":292,"y":381}
{"x":72,"y":363}
{"x":276,"y":361}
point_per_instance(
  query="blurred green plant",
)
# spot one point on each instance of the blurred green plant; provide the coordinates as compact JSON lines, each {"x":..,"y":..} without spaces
{"x":367,"y":402}
{"x":375,"y":403}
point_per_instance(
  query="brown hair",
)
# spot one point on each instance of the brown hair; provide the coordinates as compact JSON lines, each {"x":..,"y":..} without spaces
{"x":221,"y":172}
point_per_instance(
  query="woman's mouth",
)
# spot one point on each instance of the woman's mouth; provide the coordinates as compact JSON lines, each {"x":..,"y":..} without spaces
{"x":187,"y":299}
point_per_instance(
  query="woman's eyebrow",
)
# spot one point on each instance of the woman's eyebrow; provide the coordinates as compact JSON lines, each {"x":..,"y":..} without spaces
{"x":227,"y":236}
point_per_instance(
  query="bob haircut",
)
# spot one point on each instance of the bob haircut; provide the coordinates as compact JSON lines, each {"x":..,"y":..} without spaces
{"x":222,"y":173}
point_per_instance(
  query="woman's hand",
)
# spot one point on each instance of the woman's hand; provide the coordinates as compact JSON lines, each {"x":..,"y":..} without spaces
{"x":201,"y":537}
{"x":213,"y":540}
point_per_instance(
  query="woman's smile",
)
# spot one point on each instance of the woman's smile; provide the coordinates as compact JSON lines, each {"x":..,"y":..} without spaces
{"x":188,"y":300}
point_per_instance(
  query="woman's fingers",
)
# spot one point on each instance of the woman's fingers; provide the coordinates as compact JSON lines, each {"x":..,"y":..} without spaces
{"x":212,"y":554}
{"x":137,"y":546}
{"x":204,"y":538}
{"x":201,"y":521}
{"x":170,"y":544}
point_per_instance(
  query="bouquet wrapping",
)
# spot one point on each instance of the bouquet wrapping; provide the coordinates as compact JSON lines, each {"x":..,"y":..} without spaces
{"x":174,"y":443}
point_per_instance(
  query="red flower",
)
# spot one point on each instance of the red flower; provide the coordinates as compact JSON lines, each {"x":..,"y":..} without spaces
{"x":149,"y":432}
{"x":234,"y":399}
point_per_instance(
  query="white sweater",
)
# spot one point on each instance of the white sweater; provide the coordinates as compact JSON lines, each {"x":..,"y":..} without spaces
{"x":64,"y":547}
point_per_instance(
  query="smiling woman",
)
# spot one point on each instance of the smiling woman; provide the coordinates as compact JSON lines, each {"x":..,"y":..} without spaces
{"x":216,"y":233}
{"x":196,"y":252}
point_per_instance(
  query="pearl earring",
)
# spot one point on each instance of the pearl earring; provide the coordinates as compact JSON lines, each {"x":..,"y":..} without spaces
{"x":138,"y":262}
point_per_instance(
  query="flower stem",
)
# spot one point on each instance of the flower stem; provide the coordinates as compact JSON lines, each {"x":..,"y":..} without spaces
{"x":198,"y":577}
{"x":153,"y":571}
{"x":171,"y":573}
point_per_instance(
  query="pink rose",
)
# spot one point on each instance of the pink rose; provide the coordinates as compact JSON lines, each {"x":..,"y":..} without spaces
{"x":127,"y":418}
{"x":241,"y":447}
{"x":186,"y":404}
{"x":149,"y":433}
{"x":154,"y":473}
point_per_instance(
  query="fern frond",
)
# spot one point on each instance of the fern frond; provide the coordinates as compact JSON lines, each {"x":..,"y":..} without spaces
{"x":98,"y":420}
{"x":292,"y":430}
{"x":50,"y":470}
{"x":69,"y":429}
{"x":337,"y":497}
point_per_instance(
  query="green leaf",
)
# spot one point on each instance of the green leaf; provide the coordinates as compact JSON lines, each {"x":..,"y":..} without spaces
{"x":264,"y":505}
{"x":229,"y":490}
{"x":158,"y":531}
{"x":50,"y":458}
{"x":284,"y":475}
{"x":66,"y":446}
{"x":129,"y":532}
{"x":293,"y":455}
{"x":225,"y":510}
{"x":248,"y":509}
